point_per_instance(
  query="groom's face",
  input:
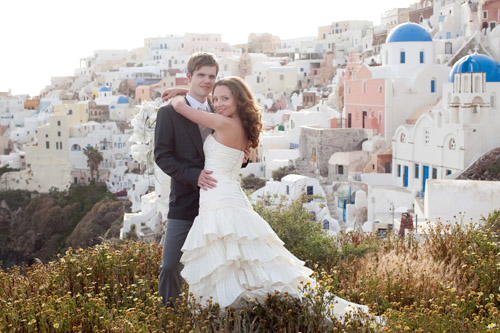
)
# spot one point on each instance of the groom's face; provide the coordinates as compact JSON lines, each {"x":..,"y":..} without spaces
{"x":201,"y":82}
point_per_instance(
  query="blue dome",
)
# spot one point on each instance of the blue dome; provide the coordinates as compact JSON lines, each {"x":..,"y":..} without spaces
{"x":112,"y":106}
{"x":477,"y":63}
{"x":409,"y":32}
{"x":104,"y":89}
{"x":123,"y":100}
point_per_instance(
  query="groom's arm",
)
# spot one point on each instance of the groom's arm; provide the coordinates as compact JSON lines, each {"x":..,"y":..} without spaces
{"x":164,"y":149}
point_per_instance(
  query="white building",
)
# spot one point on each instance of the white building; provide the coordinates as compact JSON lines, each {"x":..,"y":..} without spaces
{"x":446,"y":139}
{"x":292,"y":187}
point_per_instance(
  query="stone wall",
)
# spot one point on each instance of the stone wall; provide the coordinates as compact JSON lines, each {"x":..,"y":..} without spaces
{"x":318,"y":144}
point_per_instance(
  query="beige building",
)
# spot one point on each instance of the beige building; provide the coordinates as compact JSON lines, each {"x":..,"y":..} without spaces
{"x":282,"y":79}
{"x":47,"y":161}
{"x":263,"y":43}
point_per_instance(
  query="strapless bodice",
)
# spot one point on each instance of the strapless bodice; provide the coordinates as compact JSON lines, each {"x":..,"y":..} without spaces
{"x":221,"y":159}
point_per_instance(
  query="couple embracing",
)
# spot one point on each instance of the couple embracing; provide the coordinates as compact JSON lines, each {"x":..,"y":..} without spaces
{"x":214,"y":239}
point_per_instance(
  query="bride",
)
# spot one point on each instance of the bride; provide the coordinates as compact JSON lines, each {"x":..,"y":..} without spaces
{"x":231,"y":254}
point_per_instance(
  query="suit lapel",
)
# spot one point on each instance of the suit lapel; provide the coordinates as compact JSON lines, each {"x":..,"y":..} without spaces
{"x":194,"y":132}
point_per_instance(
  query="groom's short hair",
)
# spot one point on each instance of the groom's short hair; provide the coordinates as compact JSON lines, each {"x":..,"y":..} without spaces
{"x":200,"y":59}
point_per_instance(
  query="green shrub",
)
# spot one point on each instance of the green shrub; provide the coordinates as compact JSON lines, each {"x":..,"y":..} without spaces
{"x":252,"y":183}
{"x":282,"y":172}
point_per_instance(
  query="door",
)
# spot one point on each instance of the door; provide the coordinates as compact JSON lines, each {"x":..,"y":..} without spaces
{"x":424,"y":177}
{"x":349,"y":120}
{"x":405,"y":177}
{"x":365,"y":115}
{"x":310,"y":190}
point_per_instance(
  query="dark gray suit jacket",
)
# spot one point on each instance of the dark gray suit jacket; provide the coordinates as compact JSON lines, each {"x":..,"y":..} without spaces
{"x":179,"y":153}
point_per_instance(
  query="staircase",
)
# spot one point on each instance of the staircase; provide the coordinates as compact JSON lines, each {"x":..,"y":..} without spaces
{"x":330,"y":202}
{"x":304,"y":167}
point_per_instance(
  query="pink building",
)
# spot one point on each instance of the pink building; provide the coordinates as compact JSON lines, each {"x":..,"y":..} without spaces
{"x":490,"y":14}
{"x":364,"y":97}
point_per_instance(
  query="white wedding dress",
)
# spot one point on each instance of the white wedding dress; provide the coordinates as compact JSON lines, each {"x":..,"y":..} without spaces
{"x":231,"y":253}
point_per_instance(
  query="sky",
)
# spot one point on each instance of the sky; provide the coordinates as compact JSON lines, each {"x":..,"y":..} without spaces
{"x":41,"y":39}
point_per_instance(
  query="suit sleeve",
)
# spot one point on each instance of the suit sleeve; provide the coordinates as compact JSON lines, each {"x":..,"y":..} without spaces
{"x":164,"y":150}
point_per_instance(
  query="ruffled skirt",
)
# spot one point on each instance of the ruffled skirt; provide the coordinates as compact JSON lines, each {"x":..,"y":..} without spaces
{"x":232,"y":255}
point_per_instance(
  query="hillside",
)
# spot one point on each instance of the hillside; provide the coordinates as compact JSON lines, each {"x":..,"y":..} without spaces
{"x":487,"y":167}
{"x":34,"y":225}
{"x":447,"y":282}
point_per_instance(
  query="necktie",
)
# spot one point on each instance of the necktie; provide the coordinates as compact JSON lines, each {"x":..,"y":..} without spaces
{"x":204,"y":131}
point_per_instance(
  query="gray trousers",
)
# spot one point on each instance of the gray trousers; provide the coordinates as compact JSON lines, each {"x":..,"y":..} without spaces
{"x":170,"y":282}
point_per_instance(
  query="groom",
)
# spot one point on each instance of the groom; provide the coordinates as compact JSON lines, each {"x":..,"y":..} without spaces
{"x":178,"y":152}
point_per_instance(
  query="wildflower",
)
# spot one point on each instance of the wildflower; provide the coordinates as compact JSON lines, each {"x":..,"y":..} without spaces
{"x":453,"y":305}
{"x":305,"y":294}
{"x":452,"y":290}
{"x":492,"y":325}
{"x":56,"y":325}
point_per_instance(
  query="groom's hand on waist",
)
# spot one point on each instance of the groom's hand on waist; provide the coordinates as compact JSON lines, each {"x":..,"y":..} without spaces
{"x":206,"y":182}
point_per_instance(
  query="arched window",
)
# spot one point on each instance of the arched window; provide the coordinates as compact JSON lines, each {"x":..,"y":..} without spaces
{"x":452,"y":144}
{"x":402,"y":57}
{"x":402,"y":138}
{"x":433,"y":85}
{"x":477,"y":84}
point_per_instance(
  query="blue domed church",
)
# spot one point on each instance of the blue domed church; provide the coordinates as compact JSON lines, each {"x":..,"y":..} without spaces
{"x":455,"y":132}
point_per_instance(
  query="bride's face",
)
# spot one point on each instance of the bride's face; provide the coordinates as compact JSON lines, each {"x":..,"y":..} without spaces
{"x":224,"y":101}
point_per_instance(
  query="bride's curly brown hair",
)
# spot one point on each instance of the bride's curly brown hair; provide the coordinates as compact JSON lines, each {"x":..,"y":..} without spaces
{"x":247,"y":108}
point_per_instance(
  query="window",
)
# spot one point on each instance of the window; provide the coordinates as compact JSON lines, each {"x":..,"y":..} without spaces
{"x":433,"y":86}
{"x":402,"y":57}
{"x":416,"y":170}
{"x":434,"y":173}
{"x":402,"y":138}
{"x":58,"y":133}
{"x":47,"y":145}
{"x":57,"y":145}
{"x":485,"y":14}
{"x":399,"y":170}
{"x":452,"y":144}
{"x":427,"y":136}
{"x":60,"y":145}
{"x":448,"y":35}
{"x":421,"y":57}
{"x":340,"y":169}
{"x":288,"y":189}
{"x":58,"y":123}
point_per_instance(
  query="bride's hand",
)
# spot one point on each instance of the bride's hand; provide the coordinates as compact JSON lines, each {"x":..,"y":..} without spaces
{"x":178,"y":102}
